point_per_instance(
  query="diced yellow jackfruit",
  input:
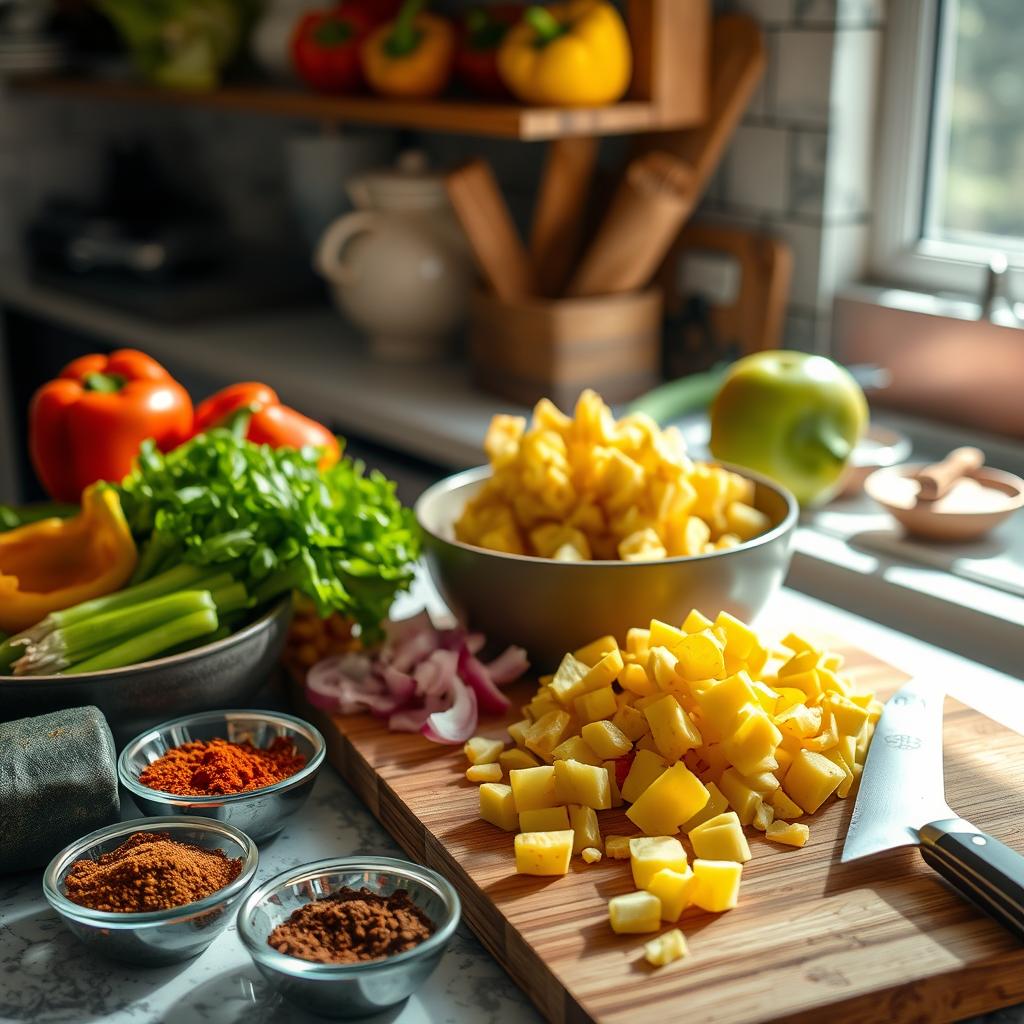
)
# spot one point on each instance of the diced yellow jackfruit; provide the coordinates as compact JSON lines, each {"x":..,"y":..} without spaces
{"x":671,"y":727}
{"x":673,"y":889}
{"x":790,"y":834}
{"x":716,"y":884}
{"x":583,"y":822}
{"x":646,"y":767}
{"x":516,"y":758}
{"x":534,"y":788}
{"x":649,"y":854}
{"x":721,"y":838}
{"x":717,"y":804}
{"x":606,"y":740}
{"x":498,"y":806}
{"x":484,"y":773}
{"x":634,"y":912}
{"x":672,"y":798}
{"x":480,"y":750}
{"x":666,"y":949}
{"x":812,"y":779}
{"x":543,"y":853}
{"x":578,"y":783}
{"x":544,"y":819}
{"x":577,"y":749}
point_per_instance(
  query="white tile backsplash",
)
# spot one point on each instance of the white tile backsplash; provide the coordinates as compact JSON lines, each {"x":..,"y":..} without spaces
{"x":809,"y":167}
{"x":756,"y":172}
{"x":803,"y":73}
{"x":844,"y":13}
{"x":767,"y":12}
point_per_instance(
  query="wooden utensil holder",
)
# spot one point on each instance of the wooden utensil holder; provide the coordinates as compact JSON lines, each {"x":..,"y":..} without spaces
{"x":537,"y":348}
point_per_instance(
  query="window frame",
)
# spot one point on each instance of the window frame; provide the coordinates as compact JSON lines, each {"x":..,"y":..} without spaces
{"x":898,"y":253}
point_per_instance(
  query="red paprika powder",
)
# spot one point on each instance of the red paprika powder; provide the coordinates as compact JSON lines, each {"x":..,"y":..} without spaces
{"x":219,"y":767}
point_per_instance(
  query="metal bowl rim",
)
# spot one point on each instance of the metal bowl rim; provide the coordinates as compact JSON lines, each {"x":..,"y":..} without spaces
{"x":150,"y":918}
{"x":295,"y":967}
{"x":145,"y":667}
{"x":299,"y":725}
{"x":465,"y":477}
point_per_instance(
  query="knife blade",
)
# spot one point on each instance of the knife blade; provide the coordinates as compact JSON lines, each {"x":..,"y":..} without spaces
{"x":901,"y":801}
{"x":902,"y":785}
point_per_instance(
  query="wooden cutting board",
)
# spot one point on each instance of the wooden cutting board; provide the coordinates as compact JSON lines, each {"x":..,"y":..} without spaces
{"x":812,"y":939}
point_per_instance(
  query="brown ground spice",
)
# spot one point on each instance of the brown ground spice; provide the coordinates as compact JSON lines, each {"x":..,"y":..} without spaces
{"x":351,"y":925}
{"x":149,"y":871}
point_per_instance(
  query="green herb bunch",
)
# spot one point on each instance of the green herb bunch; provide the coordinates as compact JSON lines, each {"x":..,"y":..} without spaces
{"x":338,"y":535}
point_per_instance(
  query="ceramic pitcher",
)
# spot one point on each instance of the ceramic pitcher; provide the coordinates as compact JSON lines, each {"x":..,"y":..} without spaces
{"x":399,"y":266}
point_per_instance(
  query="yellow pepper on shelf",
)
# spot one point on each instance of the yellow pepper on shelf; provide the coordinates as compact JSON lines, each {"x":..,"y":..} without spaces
{"x":411,"y":57}
{"x":55,"y":563}
{"x":574,"y":54}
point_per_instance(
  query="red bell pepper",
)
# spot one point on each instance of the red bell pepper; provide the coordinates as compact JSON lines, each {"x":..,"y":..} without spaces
{"x":476,"y":60}
{"x":378,"y":11}
{"x":87,"y":424}
{"x":270,"y":422}
{"x":325,"y":47}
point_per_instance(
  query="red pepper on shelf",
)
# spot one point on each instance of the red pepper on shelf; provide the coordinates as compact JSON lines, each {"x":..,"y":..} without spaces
{"x":476,"y":62}
{"x":378,"y":10}
{"x":270,"y":423}
{"x":325,"y":47}
{"x":87,"y":424}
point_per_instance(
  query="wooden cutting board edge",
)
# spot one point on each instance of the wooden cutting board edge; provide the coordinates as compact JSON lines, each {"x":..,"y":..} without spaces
{"x":948,"y":995}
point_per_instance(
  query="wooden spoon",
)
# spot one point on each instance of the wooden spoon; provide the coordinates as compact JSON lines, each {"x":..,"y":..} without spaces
{"x":935,"y":480}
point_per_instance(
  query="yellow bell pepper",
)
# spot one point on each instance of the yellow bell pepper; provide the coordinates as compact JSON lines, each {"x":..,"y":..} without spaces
{"x":411,"y":57}
{"x":55,"y":563}
{"x":574,"y":54}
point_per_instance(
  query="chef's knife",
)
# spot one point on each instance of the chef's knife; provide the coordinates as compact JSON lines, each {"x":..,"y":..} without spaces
{"x":901,"y":801}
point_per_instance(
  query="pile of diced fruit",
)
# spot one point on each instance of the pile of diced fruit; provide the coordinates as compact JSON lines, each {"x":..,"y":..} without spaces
{"x":701,"y":730}
{"x":593,"y":487}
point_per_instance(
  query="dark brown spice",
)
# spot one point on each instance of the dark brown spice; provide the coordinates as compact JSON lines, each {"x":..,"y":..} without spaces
{"x":350,"y":926}
{"x":149,"y":871}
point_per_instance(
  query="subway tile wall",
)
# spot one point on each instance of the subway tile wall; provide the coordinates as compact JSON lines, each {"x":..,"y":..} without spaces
{"x":799,"y":166}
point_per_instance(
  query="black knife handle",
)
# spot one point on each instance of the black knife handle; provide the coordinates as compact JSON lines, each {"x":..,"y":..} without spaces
{"x":979,"y":867}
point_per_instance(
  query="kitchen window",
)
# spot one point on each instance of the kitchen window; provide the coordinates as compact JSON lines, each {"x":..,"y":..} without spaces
{"x":951,"y":170}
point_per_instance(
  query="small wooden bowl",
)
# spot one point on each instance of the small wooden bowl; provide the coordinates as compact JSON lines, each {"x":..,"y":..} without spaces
{"x":893,"y":488}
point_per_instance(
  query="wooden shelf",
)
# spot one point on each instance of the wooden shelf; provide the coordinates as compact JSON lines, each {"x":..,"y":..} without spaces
{"x":500,"y":120}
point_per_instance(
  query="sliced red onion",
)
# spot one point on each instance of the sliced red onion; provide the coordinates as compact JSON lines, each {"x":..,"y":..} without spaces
{"x":422,"y":679}
{"x":408,"y":720}
{"x":458,"y":723}
{"x":490,"y":699}
{"x":508,"y":666}
{"x":435,"y":673}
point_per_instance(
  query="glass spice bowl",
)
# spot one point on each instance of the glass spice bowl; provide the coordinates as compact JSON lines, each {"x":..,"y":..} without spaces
{"x":348,"y":990}
{"x":260,"y":813}
{"x":156,"y":936}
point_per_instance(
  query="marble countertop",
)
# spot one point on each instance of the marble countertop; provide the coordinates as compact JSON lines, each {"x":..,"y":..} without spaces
{"x":47,"y":977}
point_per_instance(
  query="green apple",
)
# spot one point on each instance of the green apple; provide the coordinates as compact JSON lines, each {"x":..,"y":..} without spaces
{"x":791,"y":416}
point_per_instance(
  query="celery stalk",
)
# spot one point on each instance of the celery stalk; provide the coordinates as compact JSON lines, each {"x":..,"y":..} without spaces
{"x":149,"y":644}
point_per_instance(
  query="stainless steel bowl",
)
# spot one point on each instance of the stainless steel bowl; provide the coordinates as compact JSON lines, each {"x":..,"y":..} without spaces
{"x":157,"y":936}
{"x":348,"y":990}
{"x":260,"y":813}
{"x":552,"y":607}
{"x":216,"y":675}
